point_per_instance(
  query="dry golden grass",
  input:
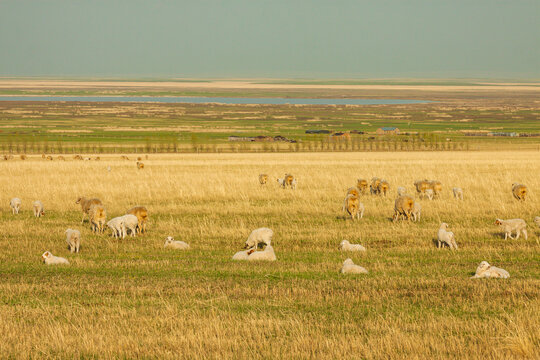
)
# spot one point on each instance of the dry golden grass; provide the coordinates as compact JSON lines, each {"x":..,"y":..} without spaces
{"x":132,"y":298}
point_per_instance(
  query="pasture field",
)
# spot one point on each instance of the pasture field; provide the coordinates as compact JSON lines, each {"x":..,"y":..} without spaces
{"x":132,"y":298}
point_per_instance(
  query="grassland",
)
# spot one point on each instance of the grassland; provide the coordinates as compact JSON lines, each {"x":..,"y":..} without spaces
{"x":133,"y":299}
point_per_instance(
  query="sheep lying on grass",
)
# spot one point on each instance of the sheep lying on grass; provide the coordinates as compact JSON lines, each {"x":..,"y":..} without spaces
{"x":15,"y":205}
{"x":458,"y":193}
{"x":259,"y":236}
{"x":519,"y":191}
{"x":50,"y":259}
{"x":267,"y":254}
{"x":511,"y":225}
{"x":350,"y":268}
{"x":175,"y":244}
{"x":485,"y":270}
{"x":38,"y":208}
{"x":446,"y":237}
{"x":73,"y":238}
{"x":345,"y":245}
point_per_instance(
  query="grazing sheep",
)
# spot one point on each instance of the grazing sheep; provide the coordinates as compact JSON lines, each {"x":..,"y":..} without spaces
{"x":287,"y":180}
{"x":263,"y":179}
{"x":98,"y":217}
{"x":124,"y":157}
{"x":417,"y":211}
{"x":23,"y":157}
{"x":61,"y":158}
{"x":354,"y":207}
{"x":436,"y":186}
{"x":403,"y":206}
{"x":508,"y":226}
{"x":117,"y":226}
{"x":519,"y":191}
{"x":130,"y":223}
{"x":350,"y":191}
{"x":73,"y":238}
{"x":259,"y":236}
{"x":350,"y":268}
{"x":140,"y":165}
{"x":446,"y":237}
{"x":43,"y":156}
{"x":374,"y":187}
{"x":15,"y":205}
{"x":139,"y":158}
{"x":421,"y":187}
{"x":458,"y":193}
{"x":429,"y":193}
{"x":362,"y":185}
{"x":77,"y":157}
{"x":383,"y":187}
{"x":401,"y":191}
{"x":142,"y":215}
{"x":345,"y":245}
{"x":50,"y":259}
{"x":484,"y":270}
{"x":39,"y":211}
{"x":537,"y":221}
{"x":175,"y":244}
{"x":86,"y":204}
{"x":267,"y":254}
{"x":50,"y":158}
{"x":281,"y":182}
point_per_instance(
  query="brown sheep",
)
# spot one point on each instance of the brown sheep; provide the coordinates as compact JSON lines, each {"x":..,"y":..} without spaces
{"x":97,"y":158}
{"x":140,"y":165}
{"x":142,"y":216}
{"x":288,"y":180}
{"x":352,"y":205}
{"x":124,"y":157}
{"x":98,"y":218}
{"x":374,"y":187}
{"x":421,"y":187}
{"x":519,"y":191}
{"x":61,"y":158}
{"x":362,"y":185}
{"x":383,"y":187}
{"x":50,"y":158}
{"x":403,"y":206}
{"x":139,"y":158}
{"x":77,"y":157}
{"x":23,"y":157}
{"x":436,"y":186}
{"x":263,"y":179}
{"x":86,"y":204}
{"x":43,"y":156}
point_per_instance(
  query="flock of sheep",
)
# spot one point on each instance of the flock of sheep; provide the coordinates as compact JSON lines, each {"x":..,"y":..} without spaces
{"x":139,"y":163}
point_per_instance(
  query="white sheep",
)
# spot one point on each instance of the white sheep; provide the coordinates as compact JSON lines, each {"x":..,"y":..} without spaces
{"x":117,"y":226}
{"x":429,"y":193}
{"x":267,"y":254}
{"x":350,"y":268}
{"x":511,"y":225}
{"x":15,"y":205}
{"x":417,"y":211}
{"x":281,"y":182}
{"x":345,"y":245}
{"x":175,"y":244}
{"x":73,"y":238}
{"x":50,"y":259}
{"x":38,"y":208}
{"x":130,"y":223}
{"x":259,"y":236}
{"x":446,"y":237}
{"x":485,"y":270}
{"x":458,"y":193}
{"x":242,"y":255}
{"x":401,"y":191}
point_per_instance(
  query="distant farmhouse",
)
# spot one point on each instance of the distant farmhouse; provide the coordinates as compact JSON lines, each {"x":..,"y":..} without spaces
{"x":340,"y":136}
{"x":387,"y":131}
{"x":318,"y":131}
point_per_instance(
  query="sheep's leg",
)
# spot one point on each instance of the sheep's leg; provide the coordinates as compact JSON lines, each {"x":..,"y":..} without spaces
{"x":362,"y":214}
{"x":438,"y":244}
{"x":506,"y":236}
{"x":524,"y":231}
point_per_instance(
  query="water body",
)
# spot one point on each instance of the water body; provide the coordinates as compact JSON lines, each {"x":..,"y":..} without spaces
{"x":218,"y":100}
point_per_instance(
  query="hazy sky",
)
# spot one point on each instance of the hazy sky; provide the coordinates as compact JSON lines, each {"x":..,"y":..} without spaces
{"x":275,"y":38}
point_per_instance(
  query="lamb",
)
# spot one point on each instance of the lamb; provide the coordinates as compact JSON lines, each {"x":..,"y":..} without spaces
{"x":508,"y":226}
{"x":458,"y":193}
{"x":50,"y":259}
{"x":140,"y":165}
{"x":484,"y":270}
{"x":401,"y":191}
{"x":142,"y":215}
{"x":175,"y":244}
{"x":519,"y":191}
{"x":98,"y":217}
{"x":263,"y":179}
{"x":403,"y":206}
{"x":350,"y":268}
{"x":23,"y":157}
{"x":15,"y":205}
{"x":383,"y":187}
{"x":345,"y":245}
{"x":73,"y":238}
{"x":130,"y":223}
{"x":436,"y":186}
{"x":259,"y":236}
{"x":117,"y":226}
{"x":446,"y":237}
{"x":354,"y":207}
{"x":421,"y":187}
{"x":362,"y":185}
{"x":86,"y":204}
{"x":429,"y":193}
{"x":417,"y":211}
{"x":38,"y":208}
{"x":374,"y":187}
{"x":267,"y":254}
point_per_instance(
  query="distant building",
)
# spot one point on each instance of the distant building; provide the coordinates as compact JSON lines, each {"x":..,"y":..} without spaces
{"x":318,"y":131}
{"x":240,"y":138}
{"x":511,"y":134}
{"x":387,"y":131}
{"x":340,"y":136}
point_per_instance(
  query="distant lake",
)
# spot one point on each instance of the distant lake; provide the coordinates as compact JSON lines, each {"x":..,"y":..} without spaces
{"x":218,"y":100}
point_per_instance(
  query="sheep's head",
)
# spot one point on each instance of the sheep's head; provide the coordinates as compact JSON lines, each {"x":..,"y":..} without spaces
{"x":348,"y":262}
{"x":46,"y":255}
{"x":498,"y":222}
{"x":484,"y":265}
{"x":169,"y":239}
{"x":343,"y":243}
{"x":444,"y":226}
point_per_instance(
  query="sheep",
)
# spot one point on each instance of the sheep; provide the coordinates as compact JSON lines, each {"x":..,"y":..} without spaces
{"x":267,"y":254}
{"x":130,"y":223}
{"x":98,"y":217}
{"x":86,"y":204}
{"x":23,"y":157}
{"x":142,"y":216}
{"x":436,"y":186}
{"x":117,"y":226}
{"x":508,"y":226}
{"x":124,"y":157}
{"x":537,"y":221}
{"x":287,"y":180}
{"x":383,"y":187}
{"x":243,"y":255}
{"x":350,"y":191}
{"x":484,"y":270}
{"x":350,"y":268}
{"x":175,"y":244}
{"x":61,"y":158}
{"x":354,"y":207}
{"x":403,"y":206}
{"x":97,"y":158}
{"x":43,"y":156}
{"x":362,"y":185}
{"x":374,"y":187}
{"x":38,"y":208}
{"x":77,"y":157}
{"x":263,"y":179}
{"x":458,"y":193}
{"x":140,"y":165}
{"x":417,"y":211}
{"x":73,"y":238}
{"x":50,"y":259}
{"x":50,"y":158}
{"x":15,"y":205}
{"x":421,"y":187}
{"x":259,"y":236}
{"x":519,"y":191}
{"x":429,"y":193}
{"x":345,"y":245}
{"x":139,"y":158}
{"x":401,"y":191}
{"x":446,"y":237}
